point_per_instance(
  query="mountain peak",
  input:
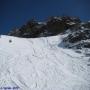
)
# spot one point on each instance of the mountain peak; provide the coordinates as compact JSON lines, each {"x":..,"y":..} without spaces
{"x":77,"y":30}
{"x":53,"y":26}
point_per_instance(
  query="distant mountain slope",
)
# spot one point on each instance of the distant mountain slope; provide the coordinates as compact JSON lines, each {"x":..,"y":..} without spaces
{"x":42,"y":64}
{"x":78,"y":31}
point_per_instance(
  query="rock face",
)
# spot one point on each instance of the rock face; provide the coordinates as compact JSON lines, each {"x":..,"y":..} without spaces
{"x":78,"y":39}
{"x":78,"y":36}
{"x":53,"y":26}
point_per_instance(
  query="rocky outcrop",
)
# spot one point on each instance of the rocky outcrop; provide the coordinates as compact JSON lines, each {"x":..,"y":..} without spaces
{"x":53,"y":26}
{"x":78,"y":36}
{"x":78,"y":39}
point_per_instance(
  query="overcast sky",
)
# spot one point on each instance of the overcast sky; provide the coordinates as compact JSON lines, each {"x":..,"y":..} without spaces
{"x":14,"y":13}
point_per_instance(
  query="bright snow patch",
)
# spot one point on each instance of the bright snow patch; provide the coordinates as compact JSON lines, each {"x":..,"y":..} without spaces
{"x":40,"y":64}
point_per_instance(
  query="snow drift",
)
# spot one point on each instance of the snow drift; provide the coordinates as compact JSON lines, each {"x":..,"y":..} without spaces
{"x":41,"y":64}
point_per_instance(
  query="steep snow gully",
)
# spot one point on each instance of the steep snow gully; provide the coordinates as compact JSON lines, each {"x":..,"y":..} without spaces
{"x":41,"y":64}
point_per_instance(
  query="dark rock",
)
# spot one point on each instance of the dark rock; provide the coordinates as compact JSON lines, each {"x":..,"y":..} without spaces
{"x":53,"y":26}
{"x":78,"y":39}
{"x":10,"y":41}
{"x":78,"y":36}
{"x":86,"y":25}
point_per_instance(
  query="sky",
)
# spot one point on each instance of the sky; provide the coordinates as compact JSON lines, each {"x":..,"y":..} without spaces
{"x":15,"y":13}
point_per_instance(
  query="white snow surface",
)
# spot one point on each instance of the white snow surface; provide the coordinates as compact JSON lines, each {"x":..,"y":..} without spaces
{"x":41,"y":64}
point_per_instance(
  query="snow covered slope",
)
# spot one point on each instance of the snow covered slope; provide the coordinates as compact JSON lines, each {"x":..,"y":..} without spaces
{"x":41,"y":64}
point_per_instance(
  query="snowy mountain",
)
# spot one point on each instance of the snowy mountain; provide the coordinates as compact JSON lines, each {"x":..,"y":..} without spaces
{"x":42,"y":64}
{"x":50,"y":55}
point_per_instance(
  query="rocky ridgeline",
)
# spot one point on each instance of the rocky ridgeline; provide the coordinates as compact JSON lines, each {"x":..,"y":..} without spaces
{"x":53,"y":26}
{"x":78,"y":31}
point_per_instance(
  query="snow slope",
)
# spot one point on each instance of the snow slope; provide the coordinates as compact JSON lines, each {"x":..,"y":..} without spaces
{"x":40,"y":64}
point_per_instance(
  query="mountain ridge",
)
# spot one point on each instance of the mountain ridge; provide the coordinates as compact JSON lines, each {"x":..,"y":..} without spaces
{"x":77,"y":30}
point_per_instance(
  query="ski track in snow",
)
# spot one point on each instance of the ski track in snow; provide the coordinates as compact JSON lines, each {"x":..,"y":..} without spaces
{"x":40,"y":64}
